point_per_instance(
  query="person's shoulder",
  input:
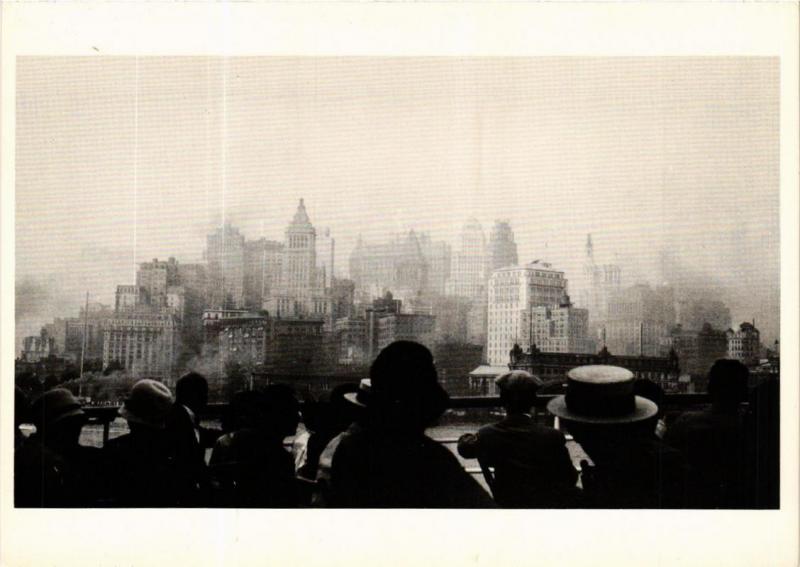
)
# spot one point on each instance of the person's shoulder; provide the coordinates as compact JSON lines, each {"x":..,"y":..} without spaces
{"x":689,"y":421}
{"x":693,"y":416}
{"x":490,"y":430}
{"x":436,"y":451}
{"x":547,"y":434}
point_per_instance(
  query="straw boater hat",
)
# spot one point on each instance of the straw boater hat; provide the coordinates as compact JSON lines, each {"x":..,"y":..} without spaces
{"x":603,"y":395}
{"x":149,"y":403}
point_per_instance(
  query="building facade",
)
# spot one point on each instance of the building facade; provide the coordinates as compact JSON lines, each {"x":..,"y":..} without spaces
{"x":502,"y":248}
{"x":145,"y":344}
{"x":437,"y":256}
{"x":553,"y":366}
{"x":300,"y":291}
{"x":639,"y":318}
{"x":350,"y":334}
{"x":405,"y":327}
{"x":262,"y":268}
{"x":600,"y":282}
{"x":562,"y":328}
{"x":156,"y":277}
{"x":744,"y":344}
{"x":37,"y":348}
{"x":513,"y":292}
{"x":225,"y":267}
{"x":696,"y":350}
{"x":399,"y":266}
{"x":470,"y":265}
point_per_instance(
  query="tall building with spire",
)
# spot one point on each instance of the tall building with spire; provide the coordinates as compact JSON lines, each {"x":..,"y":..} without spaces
{"x":502,"y":248}
{"x":600,"y":282}
{"x":300,"y":291}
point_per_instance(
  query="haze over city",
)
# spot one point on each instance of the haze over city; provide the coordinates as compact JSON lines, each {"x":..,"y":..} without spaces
{"x":670,"y":163}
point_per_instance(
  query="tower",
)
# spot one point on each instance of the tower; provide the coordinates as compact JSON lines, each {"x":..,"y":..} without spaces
{"x":300,"y":291}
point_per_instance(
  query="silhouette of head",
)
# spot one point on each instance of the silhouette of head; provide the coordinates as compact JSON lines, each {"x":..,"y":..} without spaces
{"x":243,"y":411}
{"x":147,"y":405}
{"x":518,"y":390}
{"x":58,"y":417}
{"x":727,"y":382}
{"x":191,"y":390}
{"x":279,"y":410}
{"x":405,"y":395}
{"x":342,"y":412}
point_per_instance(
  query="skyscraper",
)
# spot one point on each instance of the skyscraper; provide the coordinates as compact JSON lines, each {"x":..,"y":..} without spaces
{"x":262,"y":269}
{"x":300,"y":291}
{"x":469,"y":270}
{"x":513,"y":293}
{"x":502,"y":248}
{"x":225,"y":259}
{"x":599,"y":283}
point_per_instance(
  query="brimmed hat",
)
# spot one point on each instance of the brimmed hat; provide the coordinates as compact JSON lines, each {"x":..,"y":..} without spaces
{"x":404,"y":382}
{"x":361,"y":396}
{"x":601,"y":394}
{"x":148,"y":403}
{"x":53,"y":406}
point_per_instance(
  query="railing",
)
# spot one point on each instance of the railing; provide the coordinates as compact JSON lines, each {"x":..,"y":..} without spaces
{"x":671,"y":404}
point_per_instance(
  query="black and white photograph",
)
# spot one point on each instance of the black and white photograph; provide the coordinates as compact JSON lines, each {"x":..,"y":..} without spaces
{"x":539,"y":283}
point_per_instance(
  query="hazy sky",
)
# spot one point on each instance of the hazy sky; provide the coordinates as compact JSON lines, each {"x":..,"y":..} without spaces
{"x":120,"y":160}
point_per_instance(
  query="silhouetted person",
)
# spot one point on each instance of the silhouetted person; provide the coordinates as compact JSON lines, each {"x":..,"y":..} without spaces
{"x":144,"y":469}
{"x":390,"y":462}
{"x":324,"y":419}
{"x":649,"y":390}
{"x":251,"y":467}
{"x":631,"y":468}
{"x":532,"y":467}
{"x":51,"y":468}
{"x":348,"y":404}
{"x":764,"y":444}
{"x":714,"y":441}
{"x":189,"y":439}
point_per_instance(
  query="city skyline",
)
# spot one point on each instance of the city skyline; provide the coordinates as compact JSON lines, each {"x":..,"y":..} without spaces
{"x":686,"y":167}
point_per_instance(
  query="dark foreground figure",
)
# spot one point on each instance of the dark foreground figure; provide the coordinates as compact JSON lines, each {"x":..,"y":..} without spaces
{"x":728,"y":449}
{"x":51,"y":469}
{"x":250,"y":466}
{"x":367,"y":448}
{"x":389,"y":462}
{"x":143,"y":466}
{"x":632,"y":467}
{"x":532,"y":467}
{"x":189,"y":439}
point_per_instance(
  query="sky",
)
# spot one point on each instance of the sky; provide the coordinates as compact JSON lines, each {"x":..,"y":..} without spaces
{"x":122,"y":159}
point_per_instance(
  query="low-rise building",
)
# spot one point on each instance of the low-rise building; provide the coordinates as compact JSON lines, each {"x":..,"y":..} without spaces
{"x":145,"y":344}
{"x":744,"y":344}
{"x":553,"y":366}
{"x":36,"y":348}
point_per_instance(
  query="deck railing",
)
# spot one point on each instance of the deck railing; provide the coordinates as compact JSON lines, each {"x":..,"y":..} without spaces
{"x":672,"y":403}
